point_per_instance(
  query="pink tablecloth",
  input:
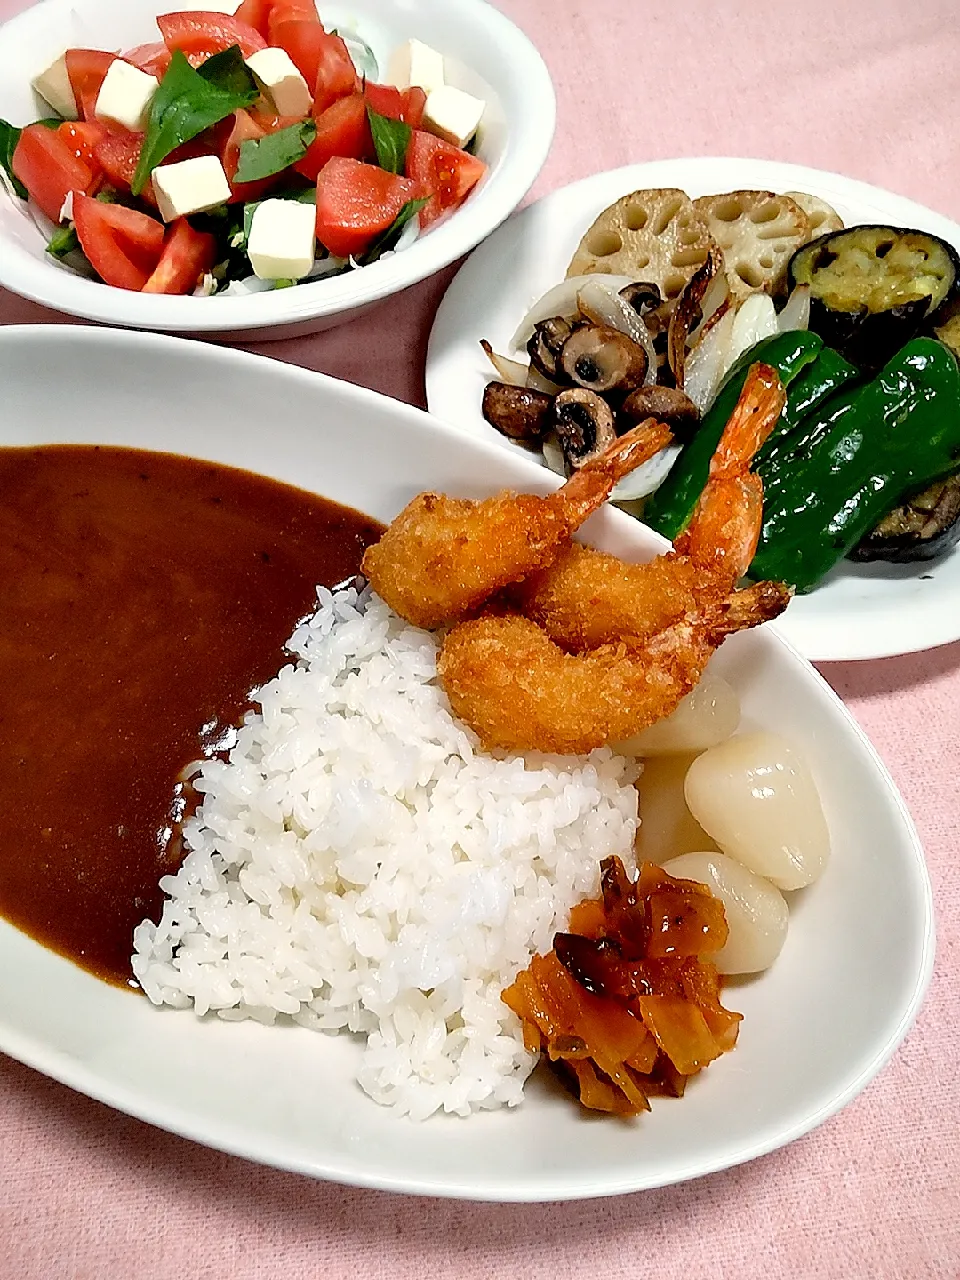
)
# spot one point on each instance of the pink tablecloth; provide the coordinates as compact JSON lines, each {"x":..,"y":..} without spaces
{"x":868,"y":88}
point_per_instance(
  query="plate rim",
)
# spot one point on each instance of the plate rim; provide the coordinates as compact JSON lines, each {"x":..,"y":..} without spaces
{"x":81,"y":1077}
{"x":866,"y":646}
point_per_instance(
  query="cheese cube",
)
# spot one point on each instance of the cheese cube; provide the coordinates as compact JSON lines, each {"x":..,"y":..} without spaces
{"x":452,"y":114}
{"x":415,"y":63}
{"x":282,"y":240}
{"x":280,"y":82}
{"x":190,"y":186}
{"x":53,"y":85}
{"x":125,"y":96}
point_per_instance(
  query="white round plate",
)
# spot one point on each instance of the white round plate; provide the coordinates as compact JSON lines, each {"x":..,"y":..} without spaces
{"x":859,"y":610}
{"x":817,"y":1027}
{"x":484,"y":54}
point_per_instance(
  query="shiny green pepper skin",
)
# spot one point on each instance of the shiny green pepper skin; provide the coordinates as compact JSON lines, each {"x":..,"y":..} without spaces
{"x":852,"y":459}
{"x":809,"y":372}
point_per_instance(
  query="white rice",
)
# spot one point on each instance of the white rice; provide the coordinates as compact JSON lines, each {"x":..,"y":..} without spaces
{"x":359,"y":864}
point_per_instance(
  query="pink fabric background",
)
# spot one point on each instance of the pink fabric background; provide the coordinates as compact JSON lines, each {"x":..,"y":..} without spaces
{"x":870,"y":88}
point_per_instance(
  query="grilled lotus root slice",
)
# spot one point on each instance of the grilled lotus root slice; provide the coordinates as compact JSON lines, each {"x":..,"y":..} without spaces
{"x":823,"y":217}
{"x":758,"y":232}
{"x":655,"y":234}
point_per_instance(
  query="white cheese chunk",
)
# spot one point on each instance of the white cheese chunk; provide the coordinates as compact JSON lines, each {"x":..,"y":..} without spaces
{"x":280,"y":82}
{"x":66,"y":209}
{"x":282,"y":239}
{"x":452,"y":114}
{"x":125,"y":96}
{"x":53,"y":85}
{"x":415,"y":63}
{"x":190,"y":186}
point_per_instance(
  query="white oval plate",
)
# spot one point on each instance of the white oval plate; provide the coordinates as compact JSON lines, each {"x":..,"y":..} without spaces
{"x":859,"y":610}
{"x":817,"y":1027}
{"x":485,"y":54}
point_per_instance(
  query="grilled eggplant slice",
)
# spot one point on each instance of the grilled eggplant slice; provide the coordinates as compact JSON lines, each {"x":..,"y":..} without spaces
{"x":874,"y":287}
{"x":923,"y":527}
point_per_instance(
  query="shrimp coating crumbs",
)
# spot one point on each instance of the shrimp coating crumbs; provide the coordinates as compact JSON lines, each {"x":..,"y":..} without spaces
{"x":587,"y":598}
{"x":521,"y":692}
{"x":441,"y":558}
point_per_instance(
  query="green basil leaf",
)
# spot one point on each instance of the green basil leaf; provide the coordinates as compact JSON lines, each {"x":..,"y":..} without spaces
{"x":189,"y":101}
{"x":228,"y":71}
{"x":63,"y":241}
{"x":263,"y":157}
{"x":392,"y":233}
{"x":390,"y":138}
{"x":9,"y":137}
{"x":51,"y":122}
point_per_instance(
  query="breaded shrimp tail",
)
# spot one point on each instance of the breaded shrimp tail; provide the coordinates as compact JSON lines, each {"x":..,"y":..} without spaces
{"x":587,"y":598}
{"x":520,"y":692}
{"x":441,"y":558}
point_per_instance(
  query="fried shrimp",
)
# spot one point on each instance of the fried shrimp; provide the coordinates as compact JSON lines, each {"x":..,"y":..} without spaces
{"x":520,"y":691}
{"x":587,"y":598}
{"x":443,"y":557}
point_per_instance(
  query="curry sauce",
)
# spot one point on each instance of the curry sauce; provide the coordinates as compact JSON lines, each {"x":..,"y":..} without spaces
{"x":144,"y":596}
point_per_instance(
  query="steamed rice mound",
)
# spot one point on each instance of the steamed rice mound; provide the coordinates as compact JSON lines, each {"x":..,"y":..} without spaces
{"x":358,"y":864}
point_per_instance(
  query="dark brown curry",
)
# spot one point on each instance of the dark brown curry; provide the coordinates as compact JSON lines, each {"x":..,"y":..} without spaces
{"x":142,"y":597}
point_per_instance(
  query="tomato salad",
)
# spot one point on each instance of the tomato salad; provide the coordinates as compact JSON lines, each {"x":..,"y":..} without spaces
{"x":242,"y":152}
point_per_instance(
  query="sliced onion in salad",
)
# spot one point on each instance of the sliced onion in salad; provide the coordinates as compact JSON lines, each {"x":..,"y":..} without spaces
{"x":561,"y":300}
{"x":361,"y":55}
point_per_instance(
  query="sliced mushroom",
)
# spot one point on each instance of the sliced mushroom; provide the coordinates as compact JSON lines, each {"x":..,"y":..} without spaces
{"x":517,"y":412}
{"x":666,"y":404}
{"x":584,"y":425}
{"x":642,"y":295}
{"x":546,"y":344}
{"x":602,"y":359}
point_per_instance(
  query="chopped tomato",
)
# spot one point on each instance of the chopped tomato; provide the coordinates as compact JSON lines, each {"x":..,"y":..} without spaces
{"x":245,"y":129}
{"x":49,"y":167}
{"x":342,"y":130}
{"x":122,"y":245}
{"x":117,"y":154}
{"x":414,"y":103}
{"x":443,"y":174}
{"x":256,"y":14}
{"x":151,"y":58}
{"x":86,"y":69}
{"x":399,"y":104}
{"x":186,"y":255}
{"x":82,"y":136}
{"x":321,"y":59}
{"x":200,"y":34}
{"x":357,"y":202}
{"x":290,"y":11}
{"x":385,"y":99}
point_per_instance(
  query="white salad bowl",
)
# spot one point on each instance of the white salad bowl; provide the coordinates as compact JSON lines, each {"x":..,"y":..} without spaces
{"x":484,"y":54}
{"x":817,"y":1026}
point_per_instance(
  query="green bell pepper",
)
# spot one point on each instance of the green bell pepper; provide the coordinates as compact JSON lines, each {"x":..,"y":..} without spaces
{"x":854,"y":458}
{"x":809,"y":372}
